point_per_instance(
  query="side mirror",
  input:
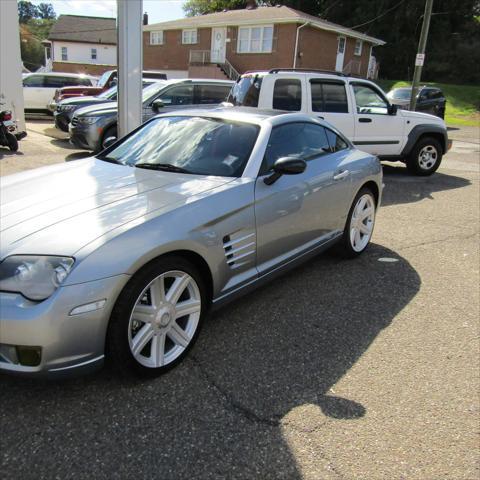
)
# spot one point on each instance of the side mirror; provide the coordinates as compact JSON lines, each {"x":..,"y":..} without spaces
{"x":286,"y":166}
{"x":392,"y":109}
{"x":157,"y":105}
{"x":109,"y":141}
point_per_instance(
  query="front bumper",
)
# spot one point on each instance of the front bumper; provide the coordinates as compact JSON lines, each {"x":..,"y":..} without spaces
{"x":69,"y":344}
{"x":62,"y":120}
{"x":87,"y":137}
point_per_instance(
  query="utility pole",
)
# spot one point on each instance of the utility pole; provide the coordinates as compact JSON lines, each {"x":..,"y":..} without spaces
{"x":420,"y":58}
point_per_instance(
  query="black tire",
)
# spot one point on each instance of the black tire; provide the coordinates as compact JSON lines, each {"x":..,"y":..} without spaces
{"x":12,"y":142}
{"x":118,"y":353}
{"x":109,"y":132}
{"x":345,"y":247}
{"x":424,"y":168}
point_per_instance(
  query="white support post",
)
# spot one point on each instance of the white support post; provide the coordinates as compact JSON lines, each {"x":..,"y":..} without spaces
{"x":130,"y":65}
{"x":11,"y":88}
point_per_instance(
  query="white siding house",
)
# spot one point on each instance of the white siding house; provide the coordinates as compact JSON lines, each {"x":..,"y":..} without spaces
{"x":82,"y":44}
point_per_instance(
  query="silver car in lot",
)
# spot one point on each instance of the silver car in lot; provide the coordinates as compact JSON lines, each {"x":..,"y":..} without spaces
{"x":120,"y":256}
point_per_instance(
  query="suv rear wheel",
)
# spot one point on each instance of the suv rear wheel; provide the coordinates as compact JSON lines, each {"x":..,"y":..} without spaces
{"x":425,"y":157}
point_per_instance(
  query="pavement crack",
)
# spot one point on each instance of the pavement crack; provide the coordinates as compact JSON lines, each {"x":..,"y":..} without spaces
{"x":231,"y":402}
{"x":440,"y":240}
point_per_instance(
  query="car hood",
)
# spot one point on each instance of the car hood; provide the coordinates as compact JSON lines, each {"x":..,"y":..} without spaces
{"x":424,"y":117}
{"x":57,"y":210}
{"x":87,"y":100}
{"x":102,"y":109}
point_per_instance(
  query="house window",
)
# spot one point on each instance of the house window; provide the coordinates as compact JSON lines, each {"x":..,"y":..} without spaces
{"x":358,"y":47}
{"x":64,"y":54}
{"x":93,"y":53}
{"x":156,"y":38}
{"x":189,"y":37}
{"x":255,"y":39}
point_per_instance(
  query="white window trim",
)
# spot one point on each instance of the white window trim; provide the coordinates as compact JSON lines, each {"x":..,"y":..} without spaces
{"x":152,"y":35}
{"x":62,"y":50}
{"x":92,"y":50}
{"x":358,"y":42}
{"x":249,"y":27}
{"x":189,"y":30}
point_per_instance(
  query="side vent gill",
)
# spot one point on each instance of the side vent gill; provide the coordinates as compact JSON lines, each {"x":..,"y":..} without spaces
{"x":239,"y":250}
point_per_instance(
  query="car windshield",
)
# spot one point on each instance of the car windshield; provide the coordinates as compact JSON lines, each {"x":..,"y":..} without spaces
{"x":111,"y":92}
{"x":151,"y":90}
{"x":401,"y":94}
{"x":196,"y":145}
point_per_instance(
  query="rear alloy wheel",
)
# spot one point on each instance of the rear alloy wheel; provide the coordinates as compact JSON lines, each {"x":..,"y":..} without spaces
{"x":360,"y":222}
{"x":425,"y":157}
{"x":157,"y":317}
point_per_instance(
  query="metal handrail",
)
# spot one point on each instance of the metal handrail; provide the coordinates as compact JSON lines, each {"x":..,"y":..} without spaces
{"x":229,"y":69}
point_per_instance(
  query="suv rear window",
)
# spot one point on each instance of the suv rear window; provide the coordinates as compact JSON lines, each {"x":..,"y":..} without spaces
{"x":287,"y":95}
{"x":211,"y":94}
{"x":246,"y":91}
{"x":329,"y":97}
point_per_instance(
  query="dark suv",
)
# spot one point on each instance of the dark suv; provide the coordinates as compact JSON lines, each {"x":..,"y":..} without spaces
{"x":429,"y":100}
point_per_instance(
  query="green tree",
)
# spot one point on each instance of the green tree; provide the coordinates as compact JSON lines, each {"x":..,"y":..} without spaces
{"x":46,"y":11}
{"x":26,"y":11}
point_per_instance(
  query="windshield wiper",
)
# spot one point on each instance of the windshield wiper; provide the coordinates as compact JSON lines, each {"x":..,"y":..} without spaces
{"x":109,"y":159}
{"x":167,"y":167}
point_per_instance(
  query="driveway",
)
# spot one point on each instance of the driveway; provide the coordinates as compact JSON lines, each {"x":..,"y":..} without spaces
{"x":338,"y":370}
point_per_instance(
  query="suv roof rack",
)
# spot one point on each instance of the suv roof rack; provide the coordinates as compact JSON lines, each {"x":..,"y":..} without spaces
{"x":306,"y":70}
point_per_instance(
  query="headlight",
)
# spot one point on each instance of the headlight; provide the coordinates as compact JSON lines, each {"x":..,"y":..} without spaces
{"x":35,"y":277}
{"x":88,"y":120}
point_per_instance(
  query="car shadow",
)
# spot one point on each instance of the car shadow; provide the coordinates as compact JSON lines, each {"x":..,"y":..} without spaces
{"x":5,"y":152}
{"x":218,"y":414}
{"x":403,"y":187}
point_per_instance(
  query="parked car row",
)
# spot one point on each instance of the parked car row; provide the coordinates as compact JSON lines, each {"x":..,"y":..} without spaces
{"x":120,"y":256}
{"x":429,"y":100}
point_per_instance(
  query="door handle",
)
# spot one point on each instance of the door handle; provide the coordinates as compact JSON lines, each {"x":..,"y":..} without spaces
{"x":341,"y":175}
{"x":365,"y":120}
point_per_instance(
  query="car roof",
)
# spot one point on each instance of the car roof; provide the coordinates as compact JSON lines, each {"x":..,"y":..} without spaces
{"x":304,"y":73}
{"x":251,"y":115}
{"x":61,"y":74}
{"x":199,"y":80}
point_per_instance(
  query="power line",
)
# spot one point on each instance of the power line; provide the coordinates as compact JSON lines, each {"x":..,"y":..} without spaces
{"x":379,"y":16}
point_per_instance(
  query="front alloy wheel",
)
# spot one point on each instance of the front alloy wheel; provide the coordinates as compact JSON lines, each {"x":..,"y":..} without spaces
{"x":425,"y":157}
{"x":164,"y":319}
{"x":157,"y":317}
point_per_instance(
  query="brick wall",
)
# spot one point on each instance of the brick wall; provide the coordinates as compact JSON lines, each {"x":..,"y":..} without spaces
{"x":88,"y":69}
{"x":282,"y":50}
{"x":172,"y":55}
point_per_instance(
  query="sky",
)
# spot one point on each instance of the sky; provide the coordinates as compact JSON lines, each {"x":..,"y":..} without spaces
{"x":158,"y":10}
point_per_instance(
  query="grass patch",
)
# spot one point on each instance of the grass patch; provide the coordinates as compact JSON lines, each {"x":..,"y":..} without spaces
{"x":463,"y":101}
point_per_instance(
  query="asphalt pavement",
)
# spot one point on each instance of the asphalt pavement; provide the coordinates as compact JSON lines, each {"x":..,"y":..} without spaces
{"x":366,"y":368}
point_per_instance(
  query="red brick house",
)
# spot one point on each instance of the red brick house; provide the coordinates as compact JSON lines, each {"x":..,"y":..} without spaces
{"x":232,"y":42}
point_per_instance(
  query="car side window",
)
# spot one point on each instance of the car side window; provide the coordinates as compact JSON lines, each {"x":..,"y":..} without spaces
{"x":336,"y":142}
{"x":328,"y":97}
{"x":181,"y":95}
{"x":368,"y":100}
{"x":34,"y":81}
{"x":287,"y":94}
{"x":211,"y":94}
{"x":300,"y":140}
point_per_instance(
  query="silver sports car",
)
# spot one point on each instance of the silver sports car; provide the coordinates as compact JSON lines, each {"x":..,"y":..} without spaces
{"x":120,"y":256}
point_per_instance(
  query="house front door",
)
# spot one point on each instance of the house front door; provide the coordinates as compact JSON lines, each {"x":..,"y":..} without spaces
{"x":340,"y":54}
{"x":219,"y":40}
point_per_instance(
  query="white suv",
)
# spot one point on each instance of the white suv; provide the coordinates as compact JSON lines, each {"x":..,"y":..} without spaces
{"x":357,"y":107}
{"x":39,"y":88}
